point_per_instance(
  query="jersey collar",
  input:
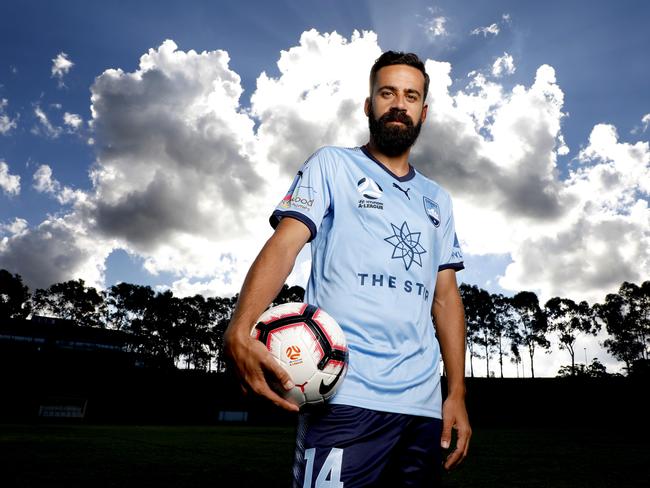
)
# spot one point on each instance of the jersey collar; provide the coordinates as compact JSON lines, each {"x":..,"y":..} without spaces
{"x":408,"y":176}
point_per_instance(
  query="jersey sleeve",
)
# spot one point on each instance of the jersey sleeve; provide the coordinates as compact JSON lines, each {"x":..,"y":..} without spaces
{"x":451,"y":256}
{"x":309,"y":197}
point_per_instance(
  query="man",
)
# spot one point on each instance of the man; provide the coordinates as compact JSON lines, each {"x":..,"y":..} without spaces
{"x":384,"y":257}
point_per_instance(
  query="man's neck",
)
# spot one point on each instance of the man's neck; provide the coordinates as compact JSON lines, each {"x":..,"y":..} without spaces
{"x":399,"y":165}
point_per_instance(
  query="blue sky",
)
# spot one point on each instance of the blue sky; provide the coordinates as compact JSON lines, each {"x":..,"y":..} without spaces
{"x":539,"y":133}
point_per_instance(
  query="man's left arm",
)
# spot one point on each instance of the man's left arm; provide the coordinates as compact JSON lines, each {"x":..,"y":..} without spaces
{"x":448,"y":312}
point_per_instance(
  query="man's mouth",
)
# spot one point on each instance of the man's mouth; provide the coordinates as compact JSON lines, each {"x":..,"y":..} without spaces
{"x":399,"y":118}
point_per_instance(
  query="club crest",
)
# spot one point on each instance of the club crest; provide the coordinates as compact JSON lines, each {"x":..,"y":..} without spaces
{"x":433,"y":211}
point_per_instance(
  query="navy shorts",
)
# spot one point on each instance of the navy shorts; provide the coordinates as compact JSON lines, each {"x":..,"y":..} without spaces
{"x":340,"y":446}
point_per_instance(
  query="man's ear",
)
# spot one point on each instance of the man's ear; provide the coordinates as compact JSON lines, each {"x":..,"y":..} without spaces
{"x":366,"y":106}
{"x":423,"y":117}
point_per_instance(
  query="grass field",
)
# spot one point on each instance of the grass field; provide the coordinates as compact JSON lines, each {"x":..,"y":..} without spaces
{"x":120,"y":456}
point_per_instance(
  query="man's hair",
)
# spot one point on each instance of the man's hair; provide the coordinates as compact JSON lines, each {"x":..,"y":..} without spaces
{"x":390,"y":58}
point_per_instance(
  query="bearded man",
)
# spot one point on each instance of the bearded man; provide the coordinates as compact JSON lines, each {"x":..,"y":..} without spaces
{"x":384,"y":256}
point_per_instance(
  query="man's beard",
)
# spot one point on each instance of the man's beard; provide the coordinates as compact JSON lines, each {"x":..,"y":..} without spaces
{"x":393,"y":140}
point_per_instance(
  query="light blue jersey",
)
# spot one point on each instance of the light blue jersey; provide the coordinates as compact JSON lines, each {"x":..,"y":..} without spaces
{"x":377,"y":243}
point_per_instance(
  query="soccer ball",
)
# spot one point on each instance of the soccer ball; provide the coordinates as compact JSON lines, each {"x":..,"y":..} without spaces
{"x":310,"y":345}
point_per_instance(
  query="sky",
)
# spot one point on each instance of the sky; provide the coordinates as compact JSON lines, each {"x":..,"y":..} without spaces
{"x":148,"y":142}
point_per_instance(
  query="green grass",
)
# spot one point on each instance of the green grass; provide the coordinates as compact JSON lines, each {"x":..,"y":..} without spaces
{"x":119,"y":456}
{"x":108,"y":456}
{"x":555,"y":458}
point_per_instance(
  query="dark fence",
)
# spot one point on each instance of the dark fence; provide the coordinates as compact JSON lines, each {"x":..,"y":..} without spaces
{"x":107,"y":387}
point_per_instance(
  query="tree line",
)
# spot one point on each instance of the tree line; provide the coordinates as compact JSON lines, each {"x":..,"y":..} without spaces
{"x":167,"y":330}
{"x":189,"y":331}
{"x":500,"y":327}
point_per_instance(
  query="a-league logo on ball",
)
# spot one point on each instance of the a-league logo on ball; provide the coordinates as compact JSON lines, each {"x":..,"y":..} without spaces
{"x":369,"y":189}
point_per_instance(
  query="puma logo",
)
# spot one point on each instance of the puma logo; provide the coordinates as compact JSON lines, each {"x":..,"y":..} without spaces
{"x":406,"y":192}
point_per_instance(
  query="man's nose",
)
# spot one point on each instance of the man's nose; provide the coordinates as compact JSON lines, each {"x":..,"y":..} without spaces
{"x":399,"y":102}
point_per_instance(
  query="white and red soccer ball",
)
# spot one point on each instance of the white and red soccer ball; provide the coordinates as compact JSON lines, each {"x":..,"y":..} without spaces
{"x":310,"y":345}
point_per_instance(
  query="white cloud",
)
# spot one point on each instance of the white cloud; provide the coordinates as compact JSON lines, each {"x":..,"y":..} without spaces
{"x":43,"y":182}
{"x":6,"y":123}
{"x":9,"y":184}
{"x":73,"y":121}
{"x":317,"y":99}
{"x":173,"y":175}
{"x":496,"y":150}
{"x":497,"y":153}
{"x":171,"y":129}
{"x":57,"y":250}
{"x":492,"y":29}
{"x":184,"y":180}
{"x":503,"y":65}
{"x":435,"y":26}
{"x":645,"y":123}
{"x":640,"y":129}
{"x":61,"y":65}
{"x":604,"y":237}
{"x":175,"y":124}
{"x":16,"y":227}
{"x":45,"y":127}
{"x":225,"y":281}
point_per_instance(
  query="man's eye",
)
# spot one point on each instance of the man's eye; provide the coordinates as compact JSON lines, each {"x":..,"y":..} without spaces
{"x":411,"y":97}
{"x":386,"y":94}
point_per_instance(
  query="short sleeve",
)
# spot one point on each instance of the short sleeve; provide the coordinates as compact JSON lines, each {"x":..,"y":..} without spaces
{"x":309,"y":197}
{"x":451,"y":255}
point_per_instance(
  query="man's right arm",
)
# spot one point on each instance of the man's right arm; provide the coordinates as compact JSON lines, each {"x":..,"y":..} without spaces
{"x":263,"y":282}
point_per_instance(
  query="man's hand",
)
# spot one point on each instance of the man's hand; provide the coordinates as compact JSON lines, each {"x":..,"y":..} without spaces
{"x":454,"y":415}
{"x":257,"y":368}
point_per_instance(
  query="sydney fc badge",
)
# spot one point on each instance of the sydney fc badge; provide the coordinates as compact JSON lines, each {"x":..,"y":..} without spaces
{"x":433,"y":211}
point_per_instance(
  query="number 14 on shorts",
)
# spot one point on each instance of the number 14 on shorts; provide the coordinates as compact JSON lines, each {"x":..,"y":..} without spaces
{"x":329,"y":475}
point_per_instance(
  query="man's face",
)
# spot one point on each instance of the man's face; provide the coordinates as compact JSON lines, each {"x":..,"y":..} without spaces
{"x":396,"y":108}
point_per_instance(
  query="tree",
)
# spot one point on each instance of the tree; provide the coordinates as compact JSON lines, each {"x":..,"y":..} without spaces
{"x":71,"y":300}
{"x":595,"y":370}
{"x":516,"y":357}
{"x":531,"y":327}
{"x":484,"y":309}
{"x":289,"y":294}
{"x":162,"y":325}
{"x":14,"y":296}
{"x":224,"y":308}
{"x":638,"y":301}
{"x":151,"y":319}
{"x":196,"y":317}
{"x":469,"y":295}
{"x":504,"y":318}
{"x":569,"y":319}
{"x":626,"y":318}
{"x":127,"y":306}
{"x":644,"y":316}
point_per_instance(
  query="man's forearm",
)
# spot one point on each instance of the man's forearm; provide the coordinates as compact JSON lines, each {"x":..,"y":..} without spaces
{"x":450,"y":326}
